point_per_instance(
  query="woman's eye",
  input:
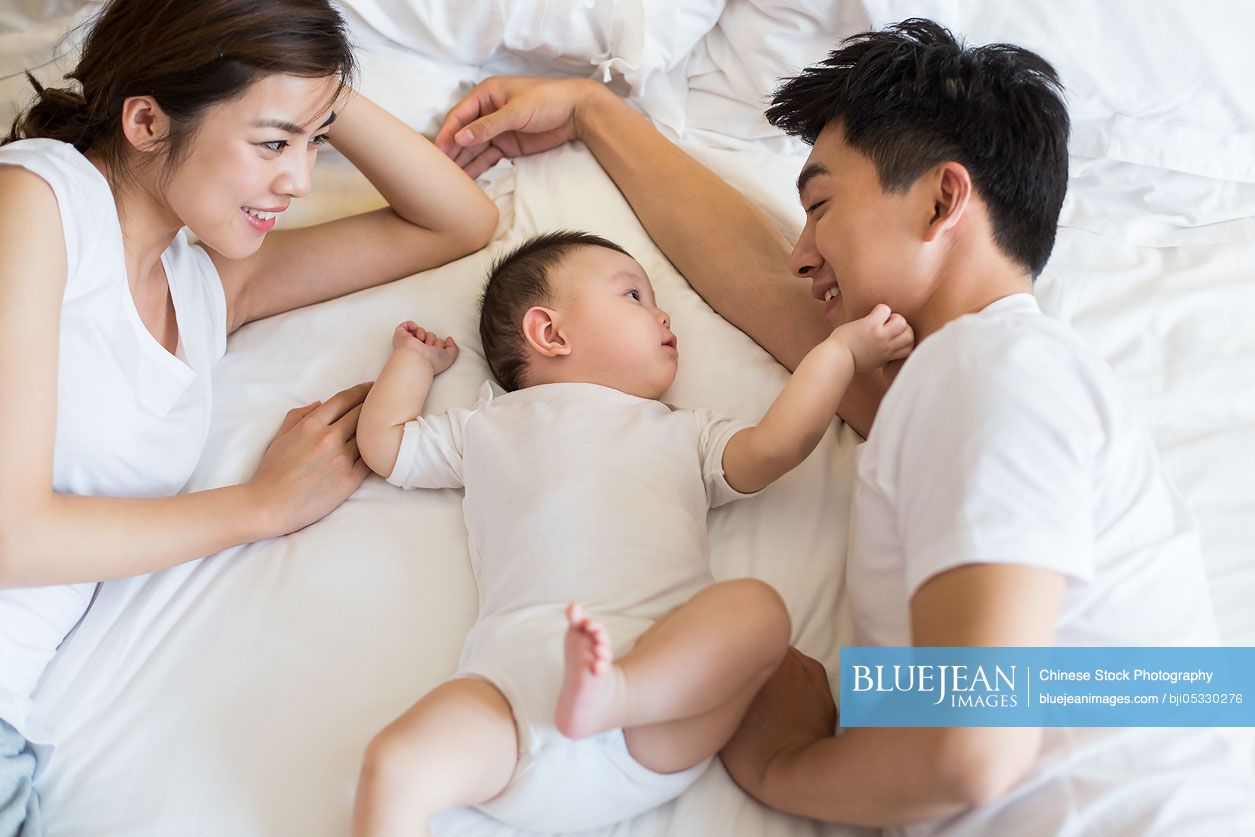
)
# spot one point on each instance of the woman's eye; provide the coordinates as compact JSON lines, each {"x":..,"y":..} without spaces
{"x":276,"y":146}
{"x":321,"y":139}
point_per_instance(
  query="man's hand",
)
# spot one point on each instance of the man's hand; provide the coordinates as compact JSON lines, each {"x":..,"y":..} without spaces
{"x":794,"y":709}
{"x":513,"y":116}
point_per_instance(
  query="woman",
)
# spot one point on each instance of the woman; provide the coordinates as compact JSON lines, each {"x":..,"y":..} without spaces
{"x":208,"y":116}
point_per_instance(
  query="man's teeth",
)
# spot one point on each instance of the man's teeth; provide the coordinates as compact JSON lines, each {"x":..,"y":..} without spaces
{"x":259,"y":215}
{"x":831,"y":293}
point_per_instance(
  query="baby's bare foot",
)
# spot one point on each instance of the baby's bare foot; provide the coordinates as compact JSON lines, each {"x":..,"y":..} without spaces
{"x":591,"y":682}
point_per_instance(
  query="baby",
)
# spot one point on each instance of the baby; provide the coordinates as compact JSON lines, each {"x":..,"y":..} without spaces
{"x":587,"y":495}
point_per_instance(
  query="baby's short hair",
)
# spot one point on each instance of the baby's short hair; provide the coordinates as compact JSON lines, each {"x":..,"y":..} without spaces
{"x":518,"y":281}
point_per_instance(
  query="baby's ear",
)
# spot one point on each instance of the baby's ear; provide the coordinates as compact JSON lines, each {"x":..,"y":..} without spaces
{"x":540,"y":329}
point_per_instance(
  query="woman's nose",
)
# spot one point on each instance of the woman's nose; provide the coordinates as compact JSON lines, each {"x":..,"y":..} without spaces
{"x":297,"y":177}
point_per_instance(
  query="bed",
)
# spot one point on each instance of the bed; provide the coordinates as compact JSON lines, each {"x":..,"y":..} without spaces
{"x":234,"y":695}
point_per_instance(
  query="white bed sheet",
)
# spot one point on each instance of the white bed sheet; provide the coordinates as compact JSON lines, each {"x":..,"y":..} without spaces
{"x":234,"y":695}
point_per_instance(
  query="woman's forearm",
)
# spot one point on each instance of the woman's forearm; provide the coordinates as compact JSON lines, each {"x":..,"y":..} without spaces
{"x":67,"y":539}
{"x":421,"y":184}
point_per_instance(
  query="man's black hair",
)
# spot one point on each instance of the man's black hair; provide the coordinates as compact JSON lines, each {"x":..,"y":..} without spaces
{"x":910,"y":97}
{"x":519,"y":280}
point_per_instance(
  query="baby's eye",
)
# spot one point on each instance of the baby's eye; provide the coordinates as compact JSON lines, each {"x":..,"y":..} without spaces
{"x":636,"y":295}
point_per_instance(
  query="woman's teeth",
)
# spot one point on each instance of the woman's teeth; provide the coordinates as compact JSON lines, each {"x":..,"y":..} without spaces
{"x":261,"y":216}
{"x":831,"y":293}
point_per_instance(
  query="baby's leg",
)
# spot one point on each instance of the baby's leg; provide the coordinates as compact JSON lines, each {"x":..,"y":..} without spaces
{"x":683,"y":688}
{"x":457,"y":746}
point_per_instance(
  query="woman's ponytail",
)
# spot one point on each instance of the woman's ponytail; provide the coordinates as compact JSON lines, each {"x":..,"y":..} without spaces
{"x":57,"y":113}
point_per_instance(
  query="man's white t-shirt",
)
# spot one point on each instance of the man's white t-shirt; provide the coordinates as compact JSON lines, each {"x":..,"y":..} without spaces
{"x":1004,"y":440}
{"x":132,"y":418}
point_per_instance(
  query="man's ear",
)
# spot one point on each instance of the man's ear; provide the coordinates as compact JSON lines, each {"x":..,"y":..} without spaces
{"x":951,"y":192}
{"x":540,"y":329}
{"x":144,"y":123}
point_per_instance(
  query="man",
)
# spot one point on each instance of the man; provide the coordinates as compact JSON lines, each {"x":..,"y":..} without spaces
{"x":1008,"y":493}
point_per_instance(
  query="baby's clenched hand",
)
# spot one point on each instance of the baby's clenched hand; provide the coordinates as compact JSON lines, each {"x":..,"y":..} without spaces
{"x":441,"y":353}
{"x":876,"y":339}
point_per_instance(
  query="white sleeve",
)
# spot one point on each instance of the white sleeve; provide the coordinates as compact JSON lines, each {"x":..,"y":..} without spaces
{"x":713,"y":433}
{"x":995,"y":464}
{"x":432,"y":448}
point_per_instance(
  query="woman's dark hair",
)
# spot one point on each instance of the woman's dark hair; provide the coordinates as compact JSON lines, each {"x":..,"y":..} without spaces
{"x":910,"y":97}
{"x":519,"y":280}
{"x":188,"y":55}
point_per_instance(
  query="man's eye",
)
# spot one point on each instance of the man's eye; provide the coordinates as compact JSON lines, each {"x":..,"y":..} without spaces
{"x":815,"y":206}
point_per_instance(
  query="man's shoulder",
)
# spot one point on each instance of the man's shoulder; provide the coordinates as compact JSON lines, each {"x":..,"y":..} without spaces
{"x":992,"y":346}
{"x":989,"y":370}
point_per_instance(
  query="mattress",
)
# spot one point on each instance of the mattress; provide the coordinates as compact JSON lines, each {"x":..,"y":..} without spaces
{"x":235,"y":694}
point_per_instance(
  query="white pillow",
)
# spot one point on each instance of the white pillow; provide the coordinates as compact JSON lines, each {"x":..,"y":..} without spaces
{"x":634,"y":38}
{"x":1169,"y":84}
{"x":755,"y":44}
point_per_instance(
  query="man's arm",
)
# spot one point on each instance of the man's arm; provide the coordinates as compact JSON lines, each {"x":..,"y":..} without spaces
{"x":721,"y":242}
{"x":783,"y":756}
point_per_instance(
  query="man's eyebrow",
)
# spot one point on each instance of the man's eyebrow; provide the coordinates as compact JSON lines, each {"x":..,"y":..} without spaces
{"x":812,"y":170}
{"x":288,"y":127}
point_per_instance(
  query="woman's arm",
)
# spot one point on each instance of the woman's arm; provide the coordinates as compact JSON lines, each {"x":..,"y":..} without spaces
{"x":50,"y":538}
{"x":785,"y":756}
{"x":435,"y":214}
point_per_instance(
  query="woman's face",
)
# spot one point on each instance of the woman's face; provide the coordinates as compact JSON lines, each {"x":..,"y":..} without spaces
{"x":249,"y":158}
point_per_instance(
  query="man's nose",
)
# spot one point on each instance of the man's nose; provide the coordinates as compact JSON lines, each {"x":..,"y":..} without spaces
{"x":805,"y":260}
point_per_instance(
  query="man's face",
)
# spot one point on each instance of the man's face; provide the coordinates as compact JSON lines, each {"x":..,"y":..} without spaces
{"x":860,"y":243}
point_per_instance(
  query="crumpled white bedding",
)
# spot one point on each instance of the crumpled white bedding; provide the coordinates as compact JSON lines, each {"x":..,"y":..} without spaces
{"x":234,"y":695}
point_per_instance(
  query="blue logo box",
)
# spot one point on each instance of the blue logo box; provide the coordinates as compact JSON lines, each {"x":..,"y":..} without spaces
{"x":1047,"y":687}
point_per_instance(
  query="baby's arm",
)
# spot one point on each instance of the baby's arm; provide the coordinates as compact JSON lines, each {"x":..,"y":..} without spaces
{"x":418,"y":356}
{"x":758,"y":456}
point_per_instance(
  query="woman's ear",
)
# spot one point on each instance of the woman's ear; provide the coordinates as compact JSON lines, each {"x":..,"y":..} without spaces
{"x":144,"y":123}
{"x":540,"y":329}
{"x":951,"y":193}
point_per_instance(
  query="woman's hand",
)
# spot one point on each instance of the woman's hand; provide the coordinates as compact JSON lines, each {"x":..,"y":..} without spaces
{"x":513,"y":116}
{"x":441,"y":353}
{"x":312,"y":465}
